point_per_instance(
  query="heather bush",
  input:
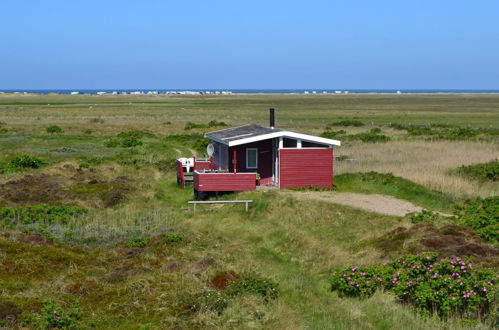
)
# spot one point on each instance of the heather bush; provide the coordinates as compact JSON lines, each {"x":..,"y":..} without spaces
{"x":333,"y":134}
{"x":213,"y":123}
{"x":22,"y":162}
{"x":482,"y":215}
{"x":371,"y":137}
{"x":40,"y":213}
{"x":54,"y":316}
{"x":253,"y":284}
{"x":139,"y":242}
{"x":459,"y":134}
{"x":173,"y":238}
{"x":486,"y":172}
{"x":54,"y":129}
{"x":430,"y":283}
{"x":348,"y":122}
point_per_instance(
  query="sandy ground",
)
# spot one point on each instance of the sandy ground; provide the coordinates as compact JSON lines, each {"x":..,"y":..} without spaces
{"x":370,"y":202}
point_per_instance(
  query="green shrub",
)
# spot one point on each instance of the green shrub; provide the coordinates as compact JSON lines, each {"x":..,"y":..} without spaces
{"x":333,"y":134}
{"x":22,"y":162}
{"x":173,"y":238}
{"x":40,"y":213}
{"x":459,"y":134}
{"x":87,"y":131}
{"x":423,"y":216}
{"x":348,"y":122}
{"x":369,"y":137}
{"x":482,"y":215}
{"x":375,"y":130}
{"x":130,"y":141}
{"x":54,"y":316}
{"x":167,"y":123}
{"x":431,"y":284}
{"x":253,"y":284}
{"x":398,"y":126}
{"x":3,"y":130}
{"x":139,"y":242}
{"x":211,"y":124}
{"x":112,"y":143}
{"x":54,"y":129}
{"x":487,"y":171}
{"x":420,"y":130}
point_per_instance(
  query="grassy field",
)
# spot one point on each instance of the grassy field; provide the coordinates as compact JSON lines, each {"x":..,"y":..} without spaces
{"x":87,"y":266}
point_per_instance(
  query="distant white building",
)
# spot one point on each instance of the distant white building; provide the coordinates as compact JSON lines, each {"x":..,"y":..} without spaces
{"x":75,"y":93}
{"x":101,"y":93}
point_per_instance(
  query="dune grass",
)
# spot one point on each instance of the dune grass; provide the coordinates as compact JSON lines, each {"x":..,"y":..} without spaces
{"x":296,"y":244}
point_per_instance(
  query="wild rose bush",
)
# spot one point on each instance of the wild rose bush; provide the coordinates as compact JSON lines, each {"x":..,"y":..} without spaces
{"x":430,"y":283}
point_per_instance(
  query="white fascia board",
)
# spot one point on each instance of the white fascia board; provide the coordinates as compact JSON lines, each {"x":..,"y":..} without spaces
{"x":303,"y":137}
{"x":216,"y":140}
{"x":255,"y":139}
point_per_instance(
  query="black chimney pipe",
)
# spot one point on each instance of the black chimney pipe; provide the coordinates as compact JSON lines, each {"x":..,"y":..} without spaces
{"x":272,"y":118}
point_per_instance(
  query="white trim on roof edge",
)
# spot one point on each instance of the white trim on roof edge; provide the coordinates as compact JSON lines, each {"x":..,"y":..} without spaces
{"x":303,"y":137}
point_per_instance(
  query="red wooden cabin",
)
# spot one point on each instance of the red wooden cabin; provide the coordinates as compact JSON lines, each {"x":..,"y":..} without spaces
{"x":252,"y":155}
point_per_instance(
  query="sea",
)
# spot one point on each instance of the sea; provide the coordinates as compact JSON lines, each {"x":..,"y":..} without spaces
{"x":249,"y":91}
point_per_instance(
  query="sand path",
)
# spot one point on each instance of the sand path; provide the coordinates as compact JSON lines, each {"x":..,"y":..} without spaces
{"x":370,"y":202}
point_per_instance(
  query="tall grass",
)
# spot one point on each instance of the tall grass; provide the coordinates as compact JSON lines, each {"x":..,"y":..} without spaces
{"x":427,"y":163}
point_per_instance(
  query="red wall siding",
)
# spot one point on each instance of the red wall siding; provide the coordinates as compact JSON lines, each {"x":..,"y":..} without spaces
{"x":306,"y":167}
{"x":224,"y":181}
{"x":201,"y":165}
{"x":264,"y":159}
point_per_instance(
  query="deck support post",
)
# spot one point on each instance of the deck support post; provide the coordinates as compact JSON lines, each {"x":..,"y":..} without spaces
{"x":235,"y":161}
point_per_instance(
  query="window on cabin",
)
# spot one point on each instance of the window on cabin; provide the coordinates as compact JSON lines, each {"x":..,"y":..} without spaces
{"x":306,"y":144}
{"x":251,"y":158}
{"x":289,"y":143}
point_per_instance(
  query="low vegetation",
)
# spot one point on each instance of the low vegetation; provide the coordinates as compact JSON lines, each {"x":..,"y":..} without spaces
{"x":211,"y":124}
{"x":442,"y":285}
{"x":373,"y":136}
{"x":54,"y":129}
{"x":482,"y":215}
{"x":21,"y":163}
{"x":483,"y":172}
{"x":445,"y":131}
{"x":347,"y":122}
{"x":41,"y":213}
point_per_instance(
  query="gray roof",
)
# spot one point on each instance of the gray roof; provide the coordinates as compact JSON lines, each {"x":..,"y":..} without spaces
{"x":241,"y":132}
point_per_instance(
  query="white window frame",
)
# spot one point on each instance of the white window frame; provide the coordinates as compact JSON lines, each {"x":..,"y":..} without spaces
{"x":256,"y":158}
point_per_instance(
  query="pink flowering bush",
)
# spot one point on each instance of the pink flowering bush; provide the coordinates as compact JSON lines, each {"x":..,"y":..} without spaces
{"x":430,"y":283}
{"x":54,"y":316}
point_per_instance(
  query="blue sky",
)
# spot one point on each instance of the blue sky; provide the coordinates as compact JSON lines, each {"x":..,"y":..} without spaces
{"x":249,"y":44}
